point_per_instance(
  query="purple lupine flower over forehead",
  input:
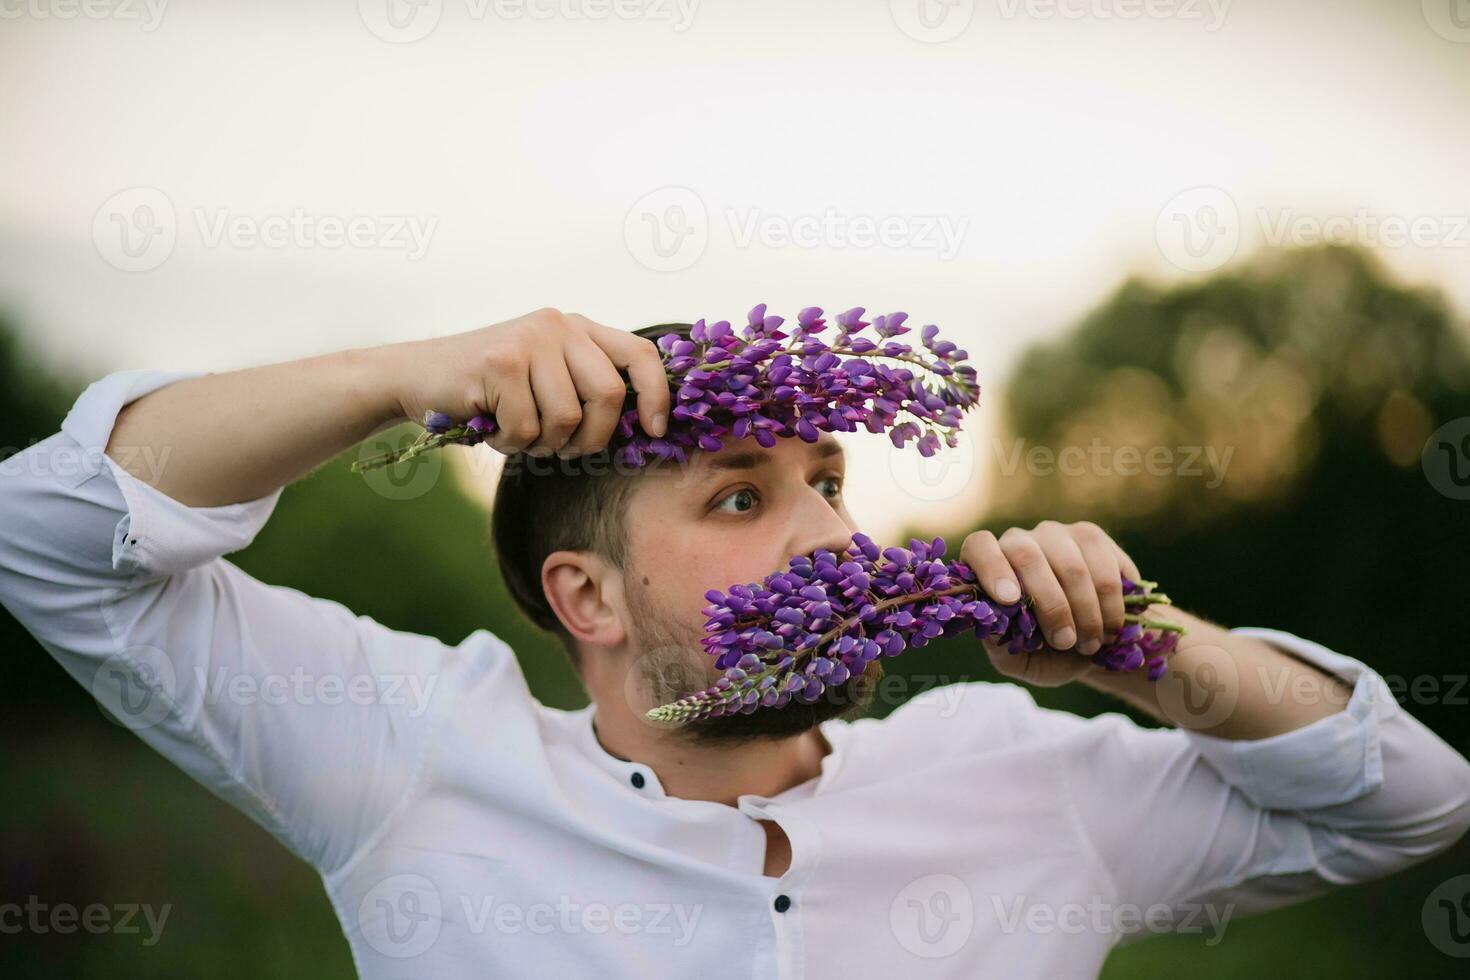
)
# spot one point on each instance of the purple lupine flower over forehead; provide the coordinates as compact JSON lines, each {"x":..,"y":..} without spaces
{"x":768,"y":381}
{"x":828,"y":616}
{"x":765,"y":383}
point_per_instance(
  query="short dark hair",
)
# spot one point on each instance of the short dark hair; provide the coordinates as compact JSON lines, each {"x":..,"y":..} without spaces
{"x":545,"y":505}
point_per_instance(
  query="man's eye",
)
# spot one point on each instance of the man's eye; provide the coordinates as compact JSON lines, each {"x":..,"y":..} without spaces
{"x":738,"y":502}
{"x":829,"y":486}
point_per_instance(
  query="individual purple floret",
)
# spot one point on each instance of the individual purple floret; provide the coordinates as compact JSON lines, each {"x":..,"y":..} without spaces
{"x":766,"y":383}
{"x":828,"y":615}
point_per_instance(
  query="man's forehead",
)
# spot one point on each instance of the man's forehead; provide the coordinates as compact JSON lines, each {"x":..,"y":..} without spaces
{"x":747,"y":454}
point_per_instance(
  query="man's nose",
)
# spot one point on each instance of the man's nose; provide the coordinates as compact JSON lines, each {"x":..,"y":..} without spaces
{"x":815,"y":524}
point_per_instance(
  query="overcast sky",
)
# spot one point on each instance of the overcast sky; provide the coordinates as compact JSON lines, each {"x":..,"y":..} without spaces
{"x":199,"y":184}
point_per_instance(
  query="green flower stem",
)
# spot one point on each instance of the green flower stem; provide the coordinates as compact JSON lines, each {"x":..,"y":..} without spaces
{"x":425,"y":442}
{"x":1154,"y":624}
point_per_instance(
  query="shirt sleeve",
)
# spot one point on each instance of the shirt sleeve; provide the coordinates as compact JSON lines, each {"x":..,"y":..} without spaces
{"x":312,"y":720}
{"x":1190,"y":821}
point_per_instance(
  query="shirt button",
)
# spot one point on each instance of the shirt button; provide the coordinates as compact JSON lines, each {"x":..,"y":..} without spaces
{"x":637,"y":780}
{"x":783,"y":902}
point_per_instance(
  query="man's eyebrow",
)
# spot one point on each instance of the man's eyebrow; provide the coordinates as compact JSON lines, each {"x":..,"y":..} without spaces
{"x":736,"y":461}
{"x":749,"y":460}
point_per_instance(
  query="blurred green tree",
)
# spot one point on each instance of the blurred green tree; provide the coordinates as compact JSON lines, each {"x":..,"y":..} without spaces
{"x":1313,"y":381}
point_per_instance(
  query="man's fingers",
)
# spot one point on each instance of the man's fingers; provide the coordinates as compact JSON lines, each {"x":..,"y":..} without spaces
{"x":557,"y":406}
{"x":516,"y":422}
{"x":639,"y":357}
{"x":1071,"y":569}
{"x":1053,"y":611}
{"x":981,"y":551}
{"x":601,"y":389}
{"x":1105,"y":567}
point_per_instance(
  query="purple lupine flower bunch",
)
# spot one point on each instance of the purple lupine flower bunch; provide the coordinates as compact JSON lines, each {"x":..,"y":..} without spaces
{"x":829,"y":615}
{"x":767,"y":382}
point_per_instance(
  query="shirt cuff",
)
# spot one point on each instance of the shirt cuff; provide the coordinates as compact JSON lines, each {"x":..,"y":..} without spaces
{"x":1333,"y":760}
{"x":156,"y":534}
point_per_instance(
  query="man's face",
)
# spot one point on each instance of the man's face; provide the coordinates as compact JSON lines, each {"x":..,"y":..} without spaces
{"x":729,"y":518}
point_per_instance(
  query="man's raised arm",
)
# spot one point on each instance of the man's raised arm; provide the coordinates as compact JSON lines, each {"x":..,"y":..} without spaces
{"x":551,"y":380}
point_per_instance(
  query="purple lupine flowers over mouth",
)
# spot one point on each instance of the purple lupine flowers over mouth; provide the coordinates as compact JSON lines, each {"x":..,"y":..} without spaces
{"x":828,"y":616}
{"x":766,"y":382}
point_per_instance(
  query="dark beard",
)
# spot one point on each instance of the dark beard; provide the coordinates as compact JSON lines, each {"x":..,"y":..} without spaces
{"x":848,"y":700}
{"x":673,"y":664}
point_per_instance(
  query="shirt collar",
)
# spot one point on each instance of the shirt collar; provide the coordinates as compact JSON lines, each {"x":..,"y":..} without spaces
{"x":631,"y":774}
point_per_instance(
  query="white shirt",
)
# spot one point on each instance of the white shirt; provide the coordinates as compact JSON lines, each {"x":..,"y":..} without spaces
{"x":464,"y":830}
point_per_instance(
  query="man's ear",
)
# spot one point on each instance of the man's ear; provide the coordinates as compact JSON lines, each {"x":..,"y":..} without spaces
{"x":587,"y":596}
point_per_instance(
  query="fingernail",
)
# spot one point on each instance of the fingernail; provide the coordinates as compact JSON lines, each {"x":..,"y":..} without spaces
{"x":1064,"y":638}
{"x":1008,"y":591}
{"x":659,"y":421}
{"x":1089,"y":647}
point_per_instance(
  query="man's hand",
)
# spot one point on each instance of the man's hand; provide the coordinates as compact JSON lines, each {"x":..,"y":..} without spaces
{"x":1073,"y":572}
{"x":550,"y":379}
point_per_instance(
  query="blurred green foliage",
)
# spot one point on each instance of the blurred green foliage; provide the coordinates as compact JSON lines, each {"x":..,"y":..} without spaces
{"x":1323,"y":375}
{"x":1325,"y":378}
